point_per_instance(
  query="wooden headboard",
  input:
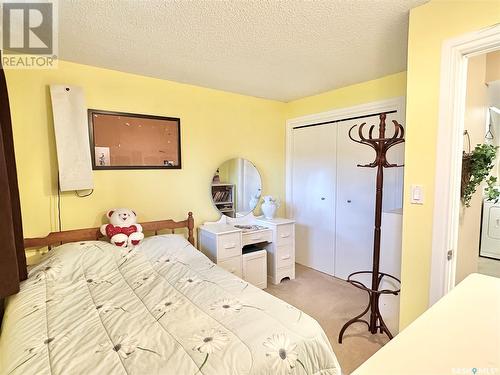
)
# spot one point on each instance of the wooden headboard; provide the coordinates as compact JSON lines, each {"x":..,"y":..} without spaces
{"x":92,"y":234}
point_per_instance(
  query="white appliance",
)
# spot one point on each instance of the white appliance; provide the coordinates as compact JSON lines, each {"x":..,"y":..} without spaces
{"x":490,"y":230}
{"x":334,"y":200}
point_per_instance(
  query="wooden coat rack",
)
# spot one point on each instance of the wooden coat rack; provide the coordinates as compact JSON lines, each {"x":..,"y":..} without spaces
{"x":381,"y":145}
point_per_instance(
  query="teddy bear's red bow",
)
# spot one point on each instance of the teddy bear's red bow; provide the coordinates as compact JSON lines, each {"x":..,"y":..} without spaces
{"x":111,"y":230}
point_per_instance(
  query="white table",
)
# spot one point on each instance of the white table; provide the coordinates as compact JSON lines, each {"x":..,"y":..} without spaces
{"x":223,"y":243}
{"x":458,"y":334}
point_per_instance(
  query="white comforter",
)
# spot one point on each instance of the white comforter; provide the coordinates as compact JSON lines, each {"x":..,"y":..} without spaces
{"x":162,"y":308}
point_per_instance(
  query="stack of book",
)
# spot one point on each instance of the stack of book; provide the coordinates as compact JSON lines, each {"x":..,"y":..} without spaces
{"x":221,"y":196}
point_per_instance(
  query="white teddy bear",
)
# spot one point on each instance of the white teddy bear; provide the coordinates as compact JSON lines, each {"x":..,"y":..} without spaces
{"x":123,"y":229}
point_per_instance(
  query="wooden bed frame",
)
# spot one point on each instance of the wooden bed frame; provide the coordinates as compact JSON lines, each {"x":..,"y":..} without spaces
{"x":92,"y":234}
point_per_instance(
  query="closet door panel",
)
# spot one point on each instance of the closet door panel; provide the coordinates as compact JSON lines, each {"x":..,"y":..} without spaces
{"x":355,"y":204}
{"x":313,"y":195}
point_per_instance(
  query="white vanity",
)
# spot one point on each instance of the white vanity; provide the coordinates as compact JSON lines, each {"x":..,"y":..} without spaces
{"x":272,"y":258}
{"x":253,"y":248}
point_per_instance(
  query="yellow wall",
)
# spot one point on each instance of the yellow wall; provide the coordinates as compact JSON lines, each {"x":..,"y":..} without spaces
{"x":215,"y":126}
{"x":391,"y":86}
{"x":430,"y":25}
{"x":492,"y":64}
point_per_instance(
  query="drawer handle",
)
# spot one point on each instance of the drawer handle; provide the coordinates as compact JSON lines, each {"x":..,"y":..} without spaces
{"x":230,"y":246}
{"x":285,"y":235}
{"x":285,"y":257}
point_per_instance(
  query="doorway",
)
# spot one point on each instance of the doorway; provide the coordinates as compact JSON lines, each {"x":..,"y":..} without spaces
{"x":448,"y":212}
{"x":479,"y":227}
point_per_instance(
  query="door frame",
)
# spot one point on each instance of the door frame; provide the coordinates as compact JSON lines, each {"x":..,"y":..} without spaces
{"x":387,"y":105}
{"x":454,"y":59}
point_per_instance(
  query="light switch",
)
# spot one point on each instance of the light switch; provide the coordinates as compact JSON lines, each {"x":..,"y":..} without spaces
{"x":417,"y":194}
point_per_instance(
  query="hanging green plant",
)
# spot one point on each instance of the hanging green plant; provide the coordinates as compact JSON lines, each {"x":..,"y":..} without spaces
{"x":476,"y":167}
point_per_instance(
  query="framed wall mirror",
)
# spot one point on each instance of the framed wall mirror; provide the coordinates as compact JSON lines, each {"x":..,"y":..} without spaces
{"x":236,"y":187}
{"x":134,"y":141}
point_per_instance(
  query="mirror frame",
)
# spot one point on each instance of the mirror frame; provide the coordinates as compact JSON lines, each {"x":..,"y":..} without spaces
{"x":91,"y":112}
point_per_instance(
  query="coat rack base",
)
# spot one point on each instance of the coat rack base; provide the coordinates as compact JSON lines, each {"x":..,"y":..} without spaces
{"x":376,"y":323}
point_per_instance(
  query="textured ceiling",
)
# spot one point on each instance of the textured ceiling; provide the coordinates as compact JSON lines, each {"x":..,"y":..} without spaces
{"x":272,"y":49}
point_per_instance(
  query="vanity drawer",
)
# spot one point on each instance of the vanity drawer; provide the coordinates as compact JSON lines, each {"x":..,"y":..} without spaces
{"x":285,"y":234}
{"x":256,"y":237}
{"x":228,"y":245}
{"x":285,"y":256}
{"x":232,"y":265}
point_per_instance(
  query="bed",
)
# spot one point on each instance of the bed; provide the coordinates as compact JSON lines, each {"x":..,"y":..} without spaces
{"x":161,"y":308}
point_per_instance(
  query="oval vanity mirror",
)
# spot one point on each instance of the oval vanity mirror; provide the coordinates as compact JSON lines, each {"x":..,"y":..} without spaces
{"x":236,"y":187}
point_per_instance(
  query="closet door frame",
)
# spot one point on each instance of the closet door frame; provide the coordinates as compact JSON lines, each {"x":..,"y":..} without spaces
{"x":394,"y":104}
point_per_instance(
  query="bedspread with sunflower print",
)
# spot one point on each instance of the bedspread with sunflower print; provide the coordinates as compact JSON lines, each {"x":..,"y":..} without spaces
{"x":159,"y":308}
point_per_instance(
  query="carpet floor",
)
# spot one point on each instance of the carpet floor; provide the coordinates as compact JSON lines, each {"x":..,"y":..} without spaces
{"x":332,"y":302}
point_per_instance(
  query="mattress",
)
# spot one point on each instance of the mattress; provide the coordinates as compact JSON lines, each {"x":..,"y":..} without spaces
{"x":160,"y":308}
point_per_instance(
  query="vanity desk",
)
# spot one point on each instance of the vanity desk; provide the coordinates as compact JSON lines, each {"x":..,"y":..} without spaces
{"x":272,"y":256}
{"x":253,"y":248}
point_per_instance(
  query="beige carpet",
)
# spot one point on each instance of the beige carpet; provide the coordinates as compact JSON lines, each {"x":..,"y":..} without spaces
{"x":332,"y":302}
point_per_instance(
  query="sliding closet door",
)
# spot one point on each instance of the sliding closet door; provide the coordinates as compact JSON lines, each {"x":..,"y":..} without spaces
{"x":313,"y":195}
{"x":355,"y":204}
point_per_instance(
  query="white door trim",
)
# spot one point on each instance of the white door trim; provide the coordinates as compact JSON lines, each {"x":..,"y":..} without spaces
{"x":454,"y":55}
{"x":397,"y":104}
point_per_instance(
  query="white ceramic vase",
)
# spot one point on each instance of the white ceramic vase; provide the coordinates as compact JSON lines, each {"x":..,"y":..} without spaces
{"x":269,"y":207}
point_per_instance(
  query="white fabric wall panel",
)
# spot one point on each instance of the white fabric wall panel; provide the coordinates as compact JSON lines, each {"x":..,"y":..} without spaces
{"x":72,"y":137}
